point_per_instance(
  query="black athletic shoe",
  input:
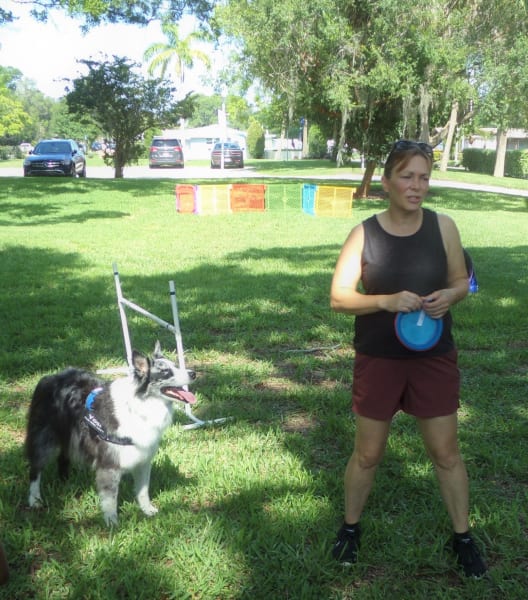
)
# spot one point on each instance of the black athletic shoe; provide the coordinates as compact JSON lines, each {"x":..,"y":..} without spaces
{"x":468,"y":556}
{"x":346,"y":547}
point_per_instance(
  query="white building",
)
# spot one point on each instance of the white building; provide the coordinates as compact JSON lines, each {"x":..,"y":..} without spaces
{"x":198,"y":142}
{"x":486,"y":138}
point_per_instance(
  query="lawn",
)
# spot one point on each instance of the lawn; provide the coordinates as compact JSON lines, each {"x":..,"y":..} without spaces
{"x":249,"y":509}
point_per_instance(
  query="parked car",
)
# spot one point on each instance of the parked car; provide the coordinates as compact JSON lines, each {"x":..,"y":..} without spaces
{"x":56,"y":157}
{"x":233,"y":155}
{"x":165,"y":152}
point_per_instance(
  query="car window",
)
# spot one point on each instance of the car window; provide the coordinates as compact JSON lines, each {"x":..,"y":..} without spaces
{"x":167,"y":142}
{"x":229,"y":146}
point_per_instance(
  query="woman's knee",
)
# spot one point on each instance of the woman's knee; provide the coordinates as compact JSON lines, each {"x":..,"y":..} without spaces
{"x":446,"y":459}
{"x":367,"y":458}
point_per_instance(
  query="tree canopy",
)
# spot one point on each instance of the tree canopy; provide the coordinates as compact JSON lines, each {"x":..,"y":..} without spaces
{"x":95,"y":12}
{"x":367,"y":72}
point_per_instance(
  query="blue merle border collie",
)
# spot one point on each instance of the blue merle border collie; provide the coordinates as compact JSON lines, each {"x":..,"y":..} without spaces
{"x":113,"y":427}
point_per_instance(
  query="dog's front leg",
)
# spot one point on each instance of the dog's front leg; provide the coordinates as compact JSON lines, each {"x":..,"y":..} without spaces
{"x":141,"y":476}
{"x":34,"y":499}
{"x":107,"y":482}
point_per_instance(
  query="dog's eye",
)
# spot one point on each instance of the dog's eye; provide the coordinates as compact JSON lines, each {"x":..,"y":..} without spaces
{"x":163,"y":370}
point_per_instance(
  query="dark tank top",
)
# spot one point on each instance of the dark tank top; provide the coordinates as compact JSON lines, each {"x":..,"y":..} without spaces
{"x":390,"y":264}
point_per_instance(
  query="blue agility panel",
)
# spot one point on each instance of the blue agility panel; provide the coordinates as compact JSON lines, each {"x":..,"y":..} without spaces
{"x":309,"y":192}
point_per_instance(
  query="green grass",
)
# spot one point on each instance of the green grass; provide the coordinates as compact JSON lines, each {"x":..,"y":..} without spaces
{"x":249,"y":509}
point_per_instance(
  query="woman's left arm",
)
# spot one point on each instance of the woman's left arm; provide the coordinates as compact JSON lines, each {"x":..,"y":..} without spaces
{"x":438,"y":302}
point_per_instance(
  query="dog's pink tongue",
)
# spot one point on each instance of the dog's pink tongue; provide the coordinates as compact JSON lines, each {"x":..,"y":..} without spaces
{"x":182,"y":395}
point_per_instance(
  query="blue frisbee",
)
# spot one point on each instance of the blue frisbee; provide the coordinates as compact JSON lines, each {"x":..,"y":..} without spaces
{"x":418,"y":331}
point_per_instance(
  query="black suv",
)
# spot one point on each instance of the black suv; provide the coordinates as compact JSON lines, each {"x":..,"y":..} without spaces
{"x":165,"y":152}
{"x":56,"y":157}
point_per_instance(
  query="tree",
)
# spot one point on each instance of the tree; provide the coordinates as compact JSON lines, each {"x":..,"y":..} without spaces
{"x":255,"y":140}
{"x":13,"y":117}
{"x":178,"y":52}
{"x":280,"y":56}
{"x":93,"y":13}
{"x":500,"y":68}
{"x":124,"y":105}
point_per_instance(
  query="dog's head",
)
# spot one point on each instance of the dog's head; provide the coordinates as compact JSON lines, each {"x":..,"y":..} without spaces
{"x":160,"y":377}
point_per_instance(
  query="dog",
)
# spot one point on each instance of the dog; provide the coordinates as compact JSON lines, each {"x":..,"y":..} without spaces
{"x":113,"y":427}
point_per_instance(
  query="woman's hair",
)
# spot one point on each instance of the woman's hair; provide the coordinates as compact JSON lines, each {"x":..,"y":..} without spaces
{"x":401,"y":153}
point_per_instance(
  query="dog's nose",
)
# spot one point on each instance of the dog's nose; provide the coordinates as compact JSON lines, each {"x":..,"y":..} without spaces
{"x":192,"y":374}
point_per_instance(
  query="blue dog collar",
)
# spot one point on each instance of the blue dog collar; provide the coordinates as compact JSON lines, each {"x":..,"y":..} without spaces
{"x":90,"y":399}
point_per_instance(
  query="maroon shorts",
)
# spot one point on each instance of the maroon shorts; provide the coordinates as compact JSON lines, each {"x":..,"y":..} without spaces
{"x":422,"y":387}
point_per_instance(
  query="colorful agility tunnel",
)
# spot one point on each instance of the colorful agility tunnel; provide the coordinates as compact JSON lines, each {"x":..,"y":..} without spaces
{"x":213,"y":199}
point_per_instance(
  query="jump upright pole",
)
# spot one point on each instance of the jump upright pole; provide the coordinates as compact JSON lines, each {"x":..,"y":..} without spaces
{"x":174,"y":327}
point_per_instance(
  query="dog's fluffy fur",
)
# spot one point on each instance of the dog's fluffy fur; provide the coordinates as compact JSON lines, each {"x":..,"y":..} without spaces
{"x":135,"y":409}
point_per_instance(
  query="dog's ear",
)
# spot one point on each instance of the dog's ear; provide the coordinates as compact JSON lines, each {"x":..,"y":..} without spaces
{"x":141,"y":364}
{"x":157,"y":350}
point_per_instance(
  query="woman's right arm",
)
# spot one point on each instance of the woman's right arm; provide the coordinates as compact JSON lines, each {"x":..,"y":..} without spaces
{"x":344,"y":294}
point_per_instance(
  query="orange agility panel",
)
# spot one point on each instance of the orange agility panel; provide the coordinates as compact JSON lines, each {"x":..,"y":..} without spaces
{"x":246,"y":197}
{"x":185,"y":198}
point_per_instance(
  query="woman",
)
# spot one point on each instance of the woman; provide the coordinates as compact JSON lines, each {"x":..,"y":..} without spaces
{"x":404,"y":259}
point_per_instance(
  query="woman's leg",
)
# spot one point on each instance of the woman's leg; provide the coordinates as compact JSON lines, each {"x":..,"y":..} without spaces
{"x":440,"y":439}
{"x":369,"y":447}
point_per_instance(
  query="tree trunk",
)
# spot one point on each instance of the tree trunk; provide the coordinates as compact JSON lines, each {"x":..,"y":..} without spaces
{"x":500,"y":158}
{"x":119,"y":170}
{"x":363,"y":190}
{"x":450,"y":134}
{"x":341,"y":145}
{"x":305,"y":146}
{"x":425,"y":102}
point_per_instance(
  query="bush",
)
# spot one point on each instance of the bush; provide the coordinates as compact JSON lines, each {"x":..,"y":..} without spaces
{"x":6,"y":152}
{"x":316,"y":142}
{"x":256,"y":140}
{"x":478,"y":160}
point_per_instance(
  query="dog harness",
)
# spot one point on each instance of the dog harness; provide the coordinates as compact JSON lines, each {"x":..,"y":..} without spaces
{"x":95,"y":425}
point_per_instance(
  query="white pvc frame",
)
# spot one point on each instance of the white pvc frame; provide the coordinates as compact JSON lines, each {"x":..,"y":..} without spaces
{"x":122,"y":302}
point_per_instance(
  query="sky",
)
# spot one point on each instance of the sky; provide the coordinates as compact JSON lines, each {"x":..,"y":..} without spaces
{"x":47,"y":52}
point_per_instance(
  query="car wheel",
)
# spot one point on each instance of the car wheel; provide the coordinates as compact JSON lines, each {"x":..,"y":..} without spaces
{"x":73,"y":172}
{"x":83,"y":172}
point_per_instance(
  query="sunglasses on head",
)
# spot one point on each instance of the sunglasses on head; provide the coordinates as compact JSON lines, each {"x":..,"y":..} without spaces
{"x":402,"y":145}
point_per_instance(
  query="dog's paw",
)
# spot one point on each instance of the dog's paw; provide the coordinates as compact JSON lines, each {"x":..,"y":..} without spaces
{"x":34,"y":498}
{"x":110,"y":519}
{"x":150,"y":510}
{"x":35,"y":501}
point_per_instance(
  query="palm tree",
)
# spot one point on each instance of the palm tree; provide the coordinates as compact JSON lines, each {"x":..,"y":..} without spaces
{"x":176,"y":51}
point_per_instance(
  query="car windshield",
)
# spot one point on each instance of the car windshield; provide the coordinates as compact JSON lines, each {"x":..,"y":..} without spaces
{"x":53,"y":148}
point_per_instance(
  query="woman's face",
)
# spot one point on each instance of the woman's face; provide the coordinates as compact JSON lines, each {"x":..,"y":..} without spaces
{"x":408,"y":185}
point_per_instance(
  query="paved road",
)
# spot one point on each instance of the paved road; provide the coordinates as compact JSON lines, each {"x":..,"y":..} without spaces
{"x":191,"y":172}
{"x":143,"y":172}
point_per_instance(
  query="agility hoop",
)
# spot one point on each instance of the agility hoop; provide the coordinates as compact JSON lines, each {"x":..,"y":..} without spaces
{"x":123,"y":303}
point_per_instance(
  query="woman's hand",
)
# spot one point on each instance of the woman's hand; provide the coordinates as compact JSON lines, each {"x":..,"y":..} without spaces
{"x":437,"y":304}
{"x":401,"y":302}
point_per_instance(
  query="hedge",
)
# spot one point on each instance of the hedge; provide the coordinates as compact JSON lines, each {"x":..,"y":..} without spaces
{"x":478,"y":160}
